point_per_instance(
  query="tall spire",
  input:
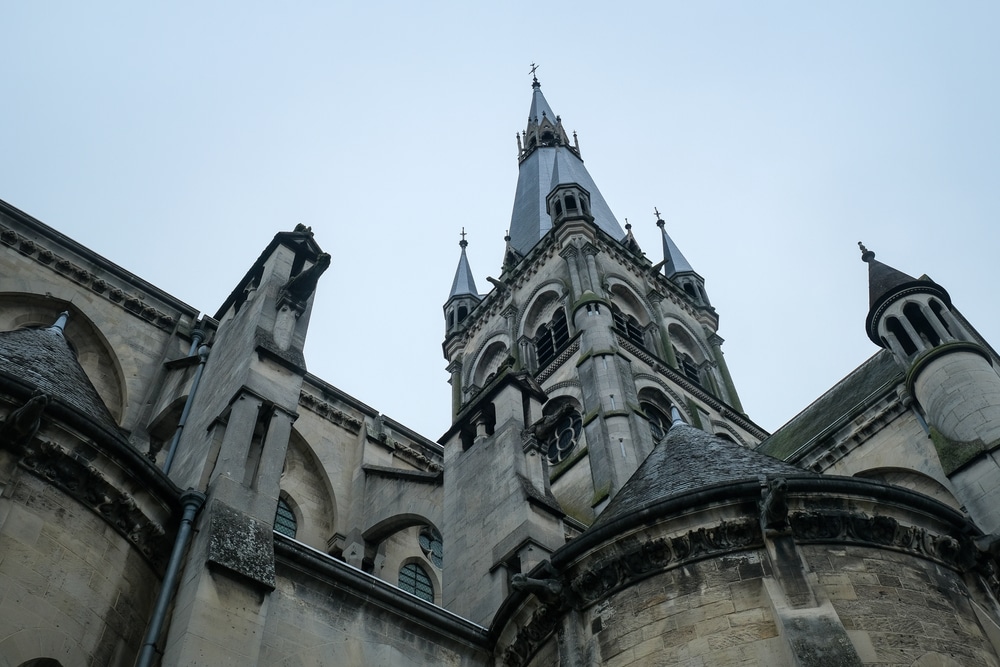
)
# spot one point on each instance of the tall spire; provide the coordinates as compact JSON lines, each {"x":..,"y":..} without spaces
{"x":548,"y":159}
{"x":464,"y":283}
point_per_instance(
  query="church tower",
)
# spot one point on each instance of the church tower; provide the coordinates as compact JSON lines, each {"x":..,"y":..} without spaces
{"x":950,"y":373}
{"x":564,"y":374}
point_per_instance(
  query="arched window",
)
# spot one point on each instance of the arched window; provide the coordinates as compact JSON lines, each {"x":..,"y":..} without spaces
{"x":628,"y":326}
{"x":551,"y":338}
{"x":687,"y":366}
{"x":936,"y":308}
{"x":284,"y":519}
{"x":659,"y":424}
{"x":571,"y":203}
{"x":897,"y":330}
{"x":920,"y":323}
{"x":414,"y":579}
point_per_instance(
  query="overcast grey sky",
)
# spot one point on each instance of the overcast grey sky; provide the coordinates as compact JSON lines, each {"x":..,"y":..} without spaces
{"x":176,"y":138}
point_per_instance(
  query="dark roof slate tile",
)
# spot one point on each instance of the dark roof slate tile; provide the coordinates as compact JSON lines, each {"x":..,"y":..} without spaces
{"x":688,"y":459}
{"x":43,"y":359}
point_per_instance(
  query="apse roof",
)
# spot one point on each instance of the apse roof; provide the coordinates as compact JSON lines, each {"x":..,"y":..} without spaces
{"x":688,"y":459}
{"x":44,"y":359}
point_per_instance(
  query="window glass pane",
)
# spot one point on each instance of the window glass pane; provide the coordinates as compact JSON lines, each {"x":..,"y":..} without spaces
{"x":413,"y":579}
{"x":284,"y":519}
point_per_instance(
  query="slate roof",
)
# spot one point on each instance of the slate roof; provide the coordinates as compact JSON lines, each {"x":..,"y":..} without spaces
{"x":882,"y":279}
{"x":44,"y":359}
{"x":544,"y":169}
{"x":866,"y":383}
{"x":463,"y":283}
{"x":674,"y":261}
{"x":688,"y":459}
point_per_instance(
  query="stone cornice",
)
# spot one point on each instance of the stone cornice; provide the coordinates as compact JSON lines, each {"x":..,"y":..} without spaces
{"x":133,"y":301}
{"x":726,"y":519}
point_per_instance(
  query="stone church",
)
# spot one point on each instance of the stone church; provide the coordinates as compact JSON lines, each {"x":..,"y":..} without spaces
{"x":177,"y":489}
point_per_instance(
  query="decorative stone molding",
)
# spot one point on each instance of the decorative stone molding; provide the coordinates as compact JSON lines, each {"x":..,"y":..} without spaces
{"x":561,"y":359}
{"x":132,"y":303}
{"x":632,"y":563}
{"x":84,"y":483}
{"x":328,"y":412}
{"x":958,"y":553}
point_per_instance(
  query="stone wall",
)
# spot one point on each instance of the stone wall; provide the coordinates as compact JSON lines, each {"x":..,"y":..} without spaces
{"x":898,"y":609}
{"x":709,"y":613}
{"x":71,"y":588}
{"x":314,"y":618}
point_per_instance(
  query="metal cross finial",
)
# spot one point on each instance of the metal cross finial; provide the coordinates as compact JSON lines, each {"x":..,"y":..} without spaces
{"x":532,"y":72}
{"x":657,"y":212}
{"x":463,"y":233}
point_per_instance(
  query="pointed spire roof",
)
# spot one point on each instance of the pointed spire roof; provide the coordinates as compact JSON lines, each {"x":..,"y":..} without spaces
{"x":886,"y":284}
{"x":539,"y":106}
{"x":548,"y":160}
{"x":674,"y":261}
{"x":688,"y":459}
{"x":43,"y":359}
{"x":882,"y":278}
{"x":629,"y":240}
{"x":463,"y":284}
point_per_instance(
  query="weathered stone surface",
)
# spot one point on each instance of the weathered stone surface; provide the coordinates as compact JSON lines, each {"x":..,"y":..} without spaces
{"x":241,"y":544}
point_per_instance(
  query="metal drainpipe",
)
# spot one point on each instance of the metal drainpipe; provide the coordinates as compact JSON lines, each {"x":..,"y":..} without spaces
{"x":192,"y":501}
{"x":203,"y":357}
{"x":197,"y":336}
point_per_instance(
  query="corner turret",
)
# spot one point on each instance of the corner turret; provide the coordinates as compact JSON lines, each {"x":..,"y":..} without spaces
{"x":463,"y":296}
{"x":951,"y":375}
{"x":678,"y":270}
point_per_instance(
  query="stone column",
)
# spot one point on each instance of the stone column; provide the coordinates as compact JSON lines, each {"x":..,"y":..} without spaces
{"x":455,"y":368}
{"x":716,"y":342}
{"x":570,"y":253}
{"x":665,"y":342}
{"x":590,"y":251}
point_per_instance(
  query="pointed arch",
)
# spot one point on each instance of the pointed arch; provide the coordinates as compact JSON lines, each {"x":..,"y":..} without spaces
{"x":540,"y":306}
{"x":491,"y":354}
{"x":19,"y":648}
{"x":646,"y":381}
{"x":630,"y":300}
{"x":913,"y":480}
{"x":724,"y":430}
{"x":308,"y":491}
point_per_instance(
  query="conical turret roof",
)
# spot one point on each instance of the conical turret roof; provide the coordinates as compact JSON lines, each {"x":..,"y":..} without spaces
{"x":43,"y":359}
{"x":463,"y":284}
{"x":688,"y":459}
{"x":674,"y":261}
{"x":882,"y":278}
